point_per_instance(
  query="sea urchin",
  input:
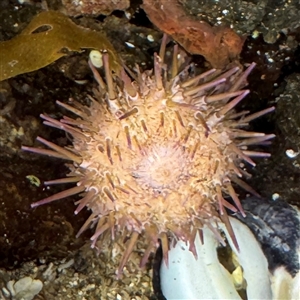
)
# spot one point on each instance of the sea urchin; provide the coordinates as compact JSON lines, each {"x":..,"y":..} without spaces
{"x":156,"y":156}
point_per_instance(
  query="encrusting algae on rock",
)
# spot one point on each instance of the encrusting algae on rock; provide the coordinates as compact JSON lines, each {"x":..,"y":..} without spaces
{"x":156,"y":156}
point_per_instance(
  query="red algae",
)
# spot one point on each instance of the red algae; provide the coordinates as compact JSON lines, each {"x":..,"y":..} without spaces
{"x":219,"y":45}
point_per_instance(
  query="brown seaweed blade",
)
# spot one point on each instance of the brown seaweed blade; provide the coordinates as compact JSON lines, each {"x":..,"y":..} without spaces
{"x":30,"y":51}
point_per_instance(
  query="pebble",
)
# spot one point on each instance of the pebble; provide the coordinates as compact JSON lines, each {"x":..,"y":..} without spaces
{"x":25,"y":288}
{"x":65,"y":265}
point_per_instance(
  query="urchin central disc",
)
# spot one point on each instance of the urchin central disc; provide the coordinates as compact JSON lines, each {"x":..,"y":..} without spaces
{"x":162,"y":167}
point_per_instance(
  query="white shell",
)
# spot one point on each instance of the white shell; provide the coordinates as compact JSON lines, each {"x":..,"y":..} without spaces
{"x":205,"y":278}
{"x":130,"y":45}
{"x":284,"y":286}
{"x":150,"y":38}
{"x":96,"y":58}
{"x":291,"y":153}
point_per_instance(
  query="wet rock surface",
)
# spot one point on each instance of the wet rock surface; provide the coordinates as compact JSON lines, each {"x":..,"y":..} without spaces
{"x":269,"y":18}
{"x":32,"y":241}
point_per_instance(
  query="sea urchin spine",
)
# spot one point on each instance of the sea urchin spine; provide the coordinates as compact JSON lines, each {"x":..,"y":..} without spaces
{"x":156,"y":156}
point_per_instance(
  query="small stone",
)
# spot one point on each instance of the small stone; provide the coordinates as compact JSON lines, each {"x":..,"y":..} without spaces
{"x":10,"y":287}
{"x":5,"y":291}
{"x":26,"y":288}
{"x":119,"y":297}
{"x":275,"y":196}
{"x":65,"y":265}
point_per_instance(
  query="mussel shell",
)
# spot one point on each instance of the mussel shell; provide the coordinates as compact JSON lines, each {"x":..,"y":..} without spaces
{"x":276,"y":226}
